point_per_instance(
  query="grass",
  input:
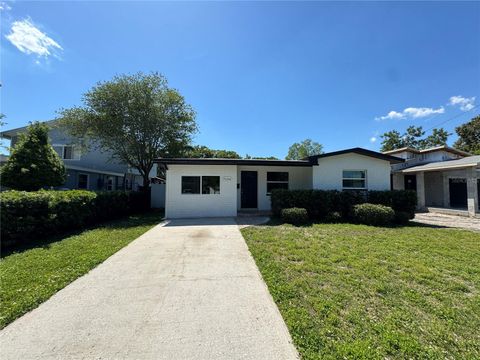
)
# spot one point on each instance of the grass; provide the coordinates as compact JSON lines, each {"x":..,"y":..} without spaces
{"x":31,"y":276}
{"x":360,"y":292}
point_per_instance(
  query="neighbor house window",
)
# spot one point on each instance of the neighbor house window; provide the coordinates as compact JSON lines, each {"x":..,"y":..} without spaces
{"x":82,"y":181}
{"x":110,"y":183}
{"x":354,"y":179}
{"x":67,"y":152}
{"x":190,"y":184}
{"x":276,"y":180}
{"x":210,"y":184}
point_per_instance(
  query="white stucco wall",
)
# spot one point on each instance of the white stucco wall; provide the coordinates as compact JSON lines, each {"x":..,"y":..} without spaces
{"x":298,"y":178}
{"x":327,"y":175}
{"x":178,"y":205}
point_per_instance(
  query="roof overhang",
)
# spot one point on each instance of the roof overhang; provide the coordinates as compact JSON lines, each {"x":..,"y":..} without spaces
{"x":245,"y":162}
{"x":360,"y":151}
{"x":95,"y":171}
{"x":422,"y":168}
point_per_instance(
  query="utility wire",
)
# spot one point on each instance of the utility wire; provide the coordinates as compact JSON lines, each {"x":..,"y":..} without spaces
{"x":453,"y":118}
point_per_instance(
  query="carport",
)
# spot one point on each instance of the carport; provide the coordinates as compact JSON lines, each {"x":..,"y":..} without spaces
{"x":450,"y":185}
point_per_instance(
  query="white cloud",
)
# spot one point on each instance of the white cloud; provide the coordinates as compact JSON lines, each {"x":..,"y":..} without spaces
{"x":466,"y":104}
{"x":4,"y":6}
{"x":27,"y":38}
{"x":373,"y":139}
{"x":422,"y":112}
{"x":412,"y":113}
{"x":391,"y":115}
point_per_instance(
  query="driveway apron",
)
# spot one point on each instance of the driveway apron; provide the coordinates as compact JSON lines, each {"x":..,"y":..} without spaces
{"x":186,"y":289}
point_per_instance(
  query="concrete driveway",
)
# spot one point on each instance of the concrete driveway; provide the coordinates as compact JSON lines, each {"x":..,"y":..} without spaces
{"x":188,"y":289}
{"x":453,"y":221}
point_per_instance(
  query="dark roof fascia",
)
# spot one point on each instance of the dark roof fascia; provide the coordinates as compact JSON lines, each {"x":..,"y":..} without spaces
{"x":392,"y":159}
{"x":249,"y":162}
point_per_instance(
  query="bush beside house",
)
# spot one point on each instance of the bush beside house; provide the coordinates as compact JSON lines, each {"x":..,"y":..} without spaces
{"x":29,"y":215}
{"x":373,"y":214}
{"x":295,"y":216}
{"x":321,"y":204}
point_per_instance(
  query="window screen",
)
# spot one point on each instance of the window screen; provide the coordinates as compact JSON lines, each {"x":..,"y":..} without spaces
{"x":354,"y":179}
{"x":190,"y":184}
{"x":68,"y":152}
{"x":210,"y":184}
{"x":82,"y":181}
{"x":276,"y":180}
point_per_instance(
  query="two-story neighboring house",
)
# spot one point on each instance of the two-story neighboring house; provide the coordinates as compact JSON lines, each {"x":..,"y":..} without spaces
{"x":443,"y":177}
{"x":87,"y":167}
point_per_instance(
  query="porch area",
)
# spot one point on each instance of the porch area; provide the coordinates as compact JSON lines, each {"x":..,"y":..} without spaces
{"x":448,"y":187}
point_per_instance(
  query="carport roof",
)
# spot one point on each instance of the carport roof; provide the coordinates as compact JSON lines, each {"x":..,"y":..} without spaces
{"x":446,"y":165}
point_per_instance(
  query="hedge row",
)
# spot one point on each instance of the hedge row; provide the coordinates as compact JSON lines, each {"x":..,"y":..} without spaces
{"x":321,"y":204}
{"x":29,"y":215}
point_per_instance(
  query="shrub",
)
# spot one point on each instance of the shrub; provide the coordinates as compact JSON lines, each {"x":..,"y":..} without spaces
{"x":33,"y":163}
{"x":333,"y":217}
{"x":320,"y":203}
{"x":347,"y":200}
{"x":398,"y":200}
{"x":295,"y":216}
{"x":401,"y":217}
{"x":28,"y":215}
{"x":373,"y":214}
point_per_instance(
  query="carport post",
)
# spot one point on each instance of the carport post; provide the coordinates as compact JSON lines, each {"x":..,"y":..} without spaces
{"x":420,"y":190}
{"x":472,"y":191}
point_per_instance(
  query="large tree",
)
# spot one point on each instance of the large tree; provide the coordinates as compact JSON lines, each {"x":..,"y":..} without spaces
{"x":33,"y":163}
{"x":137,"y":118}
{"x":438,"y":137}
{"x":469,"y":136}
{"x":413,"y":138}
{"x":200,"y":151}
{"x":304,"y":149}
{"x":260,"y":157}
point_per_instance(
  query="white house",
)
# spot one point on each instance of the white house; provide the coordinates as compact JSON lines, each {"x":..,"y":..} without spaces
{"x":445,"y":179}
{"x":222,"y":187}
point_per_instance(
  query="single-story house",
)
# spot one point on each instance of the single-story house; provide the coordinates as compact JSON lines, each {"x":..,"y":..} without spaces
{"x":446,"y":179}
{"x":222,"y":187}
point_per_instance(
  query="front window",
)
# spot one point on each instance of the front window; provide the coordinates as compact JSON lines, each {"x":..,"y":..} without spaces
{"x":110,"y":183}
{"x":67,"y":152}
{"x":190,"y":184}
{"x":276,"y":180}
{"x":354,"y":179}
{"x":210,"y":184}
{"x":82,"y":181}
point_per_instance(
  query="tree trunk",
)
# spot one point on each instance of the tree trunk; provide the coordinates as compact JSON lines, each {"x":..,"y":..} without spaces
{"x":146,"y":181}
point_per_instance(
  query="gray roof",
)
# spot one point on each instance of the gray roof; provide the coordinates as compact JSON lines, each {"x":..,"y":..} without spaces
{"x":8,"y":134}
{"x":446,"y":165}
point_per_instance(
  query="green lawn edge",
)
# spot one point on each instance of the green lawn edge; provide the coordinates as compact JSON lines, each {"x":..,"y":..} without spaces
{"x":362,"y":292}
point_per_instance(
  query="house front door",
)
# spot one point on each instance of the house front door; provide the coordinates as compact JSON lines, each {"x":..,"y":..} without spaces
{"x":458,"y":193}
{"x":248,"y":189}
{"x":411,"y":182}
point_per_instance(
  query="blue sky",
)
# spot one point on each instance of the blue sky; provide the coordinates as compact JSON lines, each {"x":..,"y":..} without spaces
{"x":261,"y":75}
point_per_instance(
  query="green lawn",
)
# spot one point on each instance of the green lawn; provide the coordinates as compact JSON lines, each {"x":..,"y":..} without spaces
{"x":359,"y":292}
{"x":30,"y":277}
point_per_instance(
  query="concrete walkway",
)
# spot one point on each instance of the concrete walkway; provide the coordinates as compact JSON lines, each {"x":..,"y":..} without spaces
{"x":188,"y":289}
{"x":443,"y":220}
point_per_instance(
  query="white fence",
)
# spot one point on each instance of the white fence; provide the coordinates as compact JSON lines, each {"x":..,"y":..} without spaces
{"x":158,"y":196}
